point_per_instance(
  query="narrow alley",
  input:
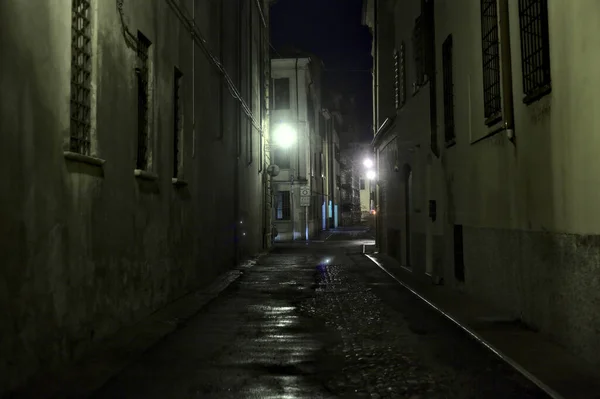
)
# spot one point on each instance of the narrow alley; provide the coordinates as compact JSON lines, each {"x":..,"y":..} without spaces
{"x":317,"y":320}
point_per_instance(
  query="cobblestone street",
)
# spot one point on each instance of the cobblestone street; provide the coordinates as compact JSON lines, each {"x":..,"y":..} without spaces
{"x":318,"y":320}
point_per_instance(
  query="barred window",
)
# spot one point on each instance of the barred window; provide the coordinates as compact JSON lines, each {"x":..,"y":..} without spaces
{"x":143,"y":45}
{"x":402,"y":72}
{"x":177,"y":124}
{"x":283,"y":209}
{"x":448,"y":91}
{"x":535,"y":49}
{"x":492,"y":96}
{"x":81,"y":77}
{"x":399,"y":77}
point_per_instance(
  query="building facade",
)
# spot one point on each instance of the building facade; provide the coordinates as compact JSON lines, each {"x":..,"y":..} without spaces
{"x":330,"y":122}
{"x":298,"y":188}
{"x":131,"y":174}
{"x":485,"y":139}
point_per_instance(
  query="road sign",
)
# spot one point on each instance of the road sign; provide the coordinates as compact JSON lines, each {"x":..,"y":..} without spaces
{"x":305,"y":201}
{"x":305,"y":191}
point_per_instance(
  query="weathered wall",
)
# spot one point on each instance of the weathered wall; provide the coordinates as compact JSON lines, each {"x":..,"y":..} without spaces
{"x":528,"y":209}
{"x":88,"y":249}
{"x":531,"y":223}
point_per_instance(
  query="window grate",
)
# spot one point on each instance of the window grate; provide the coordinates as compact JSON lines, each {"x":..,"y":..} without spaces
{"x":492,"y":96}
{"x":535,"y":48}
{"x":402,"y":71}
{"x":397,"y":78}
{"x":143,"y":47}
{"x":283,"y":209}
{"x":449,"y":132}
{"x":81,"y":77}
{"x":177,"y":123}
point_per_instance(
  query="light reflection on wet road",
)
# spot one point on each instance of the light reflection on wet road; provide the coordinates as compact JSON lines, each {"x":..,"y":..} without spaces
{"x":309,"y":321}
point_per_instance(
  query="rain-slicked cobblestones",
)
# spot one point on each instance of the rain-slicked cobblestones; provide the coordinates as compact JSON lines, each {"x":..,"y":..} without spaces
{"x":317,"y":321}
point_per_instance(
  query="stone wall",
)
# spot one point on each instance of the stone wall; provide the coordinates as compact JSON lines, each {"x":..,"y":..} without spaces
{"x":88,"y":248}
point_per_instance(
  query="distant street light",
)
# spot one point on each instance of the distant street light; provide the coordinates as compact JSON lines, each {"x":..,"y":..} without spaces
{"x":284,"y":135}
{"x":368,"y":163}
{"x":371,"y":175}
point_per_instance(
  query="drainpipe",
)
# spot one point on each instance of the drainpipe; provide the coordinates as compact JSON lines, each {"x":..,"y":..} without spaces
{"x":507,"y":106}
{"x":375,"y":67}
{"x":310,"y":158}
{"x":238,"y":130}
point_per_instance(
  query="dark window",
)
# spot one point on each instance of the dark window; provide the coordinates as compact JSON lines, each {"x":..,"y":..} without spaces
{"x":310,"y":105}
{"x":143,"y":126}
{"x":448,"y":91}
{"x":492,"y":97}
{"x":337,"y":153}
{"x":282,"y":93}
{"x":362,"y":184}
{"x":535,"y":48}
{"x":459,"y":260}
{"x":177,"y":123}
{"x":321,"y":163}
{"x":281,"y":158}
{"x":418,"y":39}
{"x":81,"y":77}
{"x":282,"y":210}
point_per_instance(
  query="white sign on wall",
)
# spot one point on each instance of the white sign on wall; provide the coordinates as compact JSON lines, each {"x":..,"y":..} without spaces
{"x":304,"y":201}
{"x":305,"y":191}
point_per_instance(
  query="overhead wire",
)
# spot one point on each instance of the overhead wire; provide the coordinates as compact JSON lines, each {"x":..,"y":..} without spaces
{"x":190,"y":24}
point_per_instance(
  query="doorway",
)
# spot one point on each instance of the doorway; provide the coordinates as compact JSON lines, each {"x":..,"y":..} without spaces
{"x":408,"y":203}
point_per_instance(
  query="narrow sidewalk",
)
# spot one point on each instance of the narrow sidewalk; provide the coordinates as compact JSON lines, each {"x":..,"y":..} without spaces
{"x":550,"y":366}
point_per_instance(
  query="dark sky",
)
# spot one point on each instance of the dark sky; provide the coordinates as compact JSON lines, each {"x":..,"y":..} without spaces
{"x":332,"y":30}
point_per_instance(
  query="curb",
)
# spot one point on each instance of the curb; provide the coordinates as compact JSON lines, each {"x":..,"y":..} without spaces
{"x":109,"y":357}
{"x":549,"y":391}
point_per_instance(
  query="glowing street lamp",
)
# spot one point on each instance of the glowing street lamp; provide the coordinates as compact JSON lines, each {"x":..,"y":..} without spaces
{"x":371,"y":175}
{"x":368,"y":163}
{"x":284,"y":135}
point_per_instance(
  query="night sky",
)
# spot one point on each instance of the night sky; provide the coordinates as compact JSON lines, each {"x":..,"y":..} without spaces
{"x":332,"y":30}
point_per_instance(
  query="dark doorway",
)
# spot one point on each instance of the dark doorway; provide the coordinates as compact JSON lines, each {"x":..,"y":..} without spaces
{"x":459,"y":260}
{"x":408,"y":200}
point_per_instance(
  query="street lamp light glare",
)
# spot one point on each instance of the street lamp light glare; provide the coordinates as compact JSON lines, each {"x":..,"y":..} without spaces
{"x":368,"y":163}
{"x":371,"y":175}
{"x":284,"y":135}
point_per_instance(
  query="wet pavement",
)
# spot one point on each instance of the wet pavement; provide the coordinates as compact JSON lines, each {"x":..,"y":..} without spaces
{"x":318,"y":320}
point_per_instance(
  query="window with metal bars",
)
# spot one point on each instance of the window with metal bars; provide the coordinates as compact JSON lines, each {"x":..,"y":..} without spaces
{"x":283,"y":208}
{"x":449,"y":133}
{"x":81,"y":77}
{"x":492,"y":95}
{"x":143,"y":47}
{"x":397,"y":78}
{"x":177,"y":124}
{"x":402,"y":74}
{"x":535,"y":49}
